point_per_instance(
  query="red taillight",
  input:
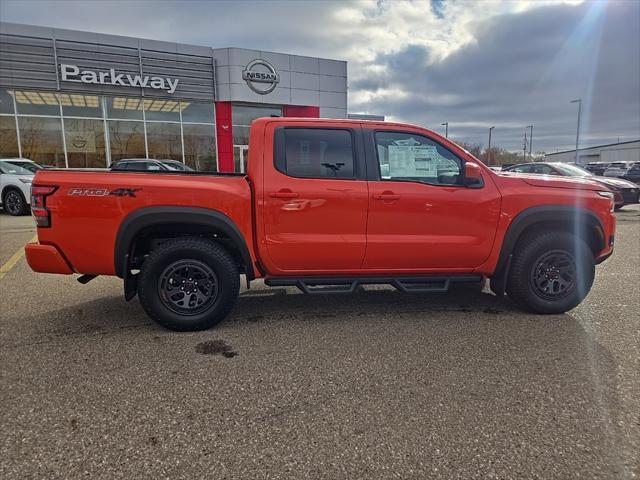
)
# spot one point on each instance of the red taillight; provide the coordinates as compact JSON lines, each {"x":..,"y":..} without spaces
{"x":39,"y":194}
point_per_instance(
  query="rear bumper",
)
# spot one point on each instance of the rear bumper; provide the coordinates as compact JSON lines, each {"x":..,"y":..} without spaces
{"x":46,"y":259}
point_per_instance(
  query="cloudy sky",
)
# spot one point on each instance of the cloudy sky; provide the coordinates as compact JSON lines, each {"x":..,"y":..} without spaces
{"x":474,"y":64}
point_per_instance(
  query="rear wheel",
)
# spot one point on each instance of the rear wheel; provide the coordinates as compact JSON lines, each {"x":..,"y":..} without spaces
{"x":188,"y":284}
{"x":14,"y":203}
{"x":551,"y":273}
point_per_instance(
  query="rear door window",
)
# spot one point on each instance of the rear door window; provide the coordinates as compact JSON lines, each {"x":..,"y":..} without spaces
{"x":316,"y":153}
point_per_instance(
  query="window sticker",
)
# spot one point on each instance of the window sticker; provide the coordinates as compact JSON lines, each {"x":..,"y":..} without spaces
{"x":413,"y":160}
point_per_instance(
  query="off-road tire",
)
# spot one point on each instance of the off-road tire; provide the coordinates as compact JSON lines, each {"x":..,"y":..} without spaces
{"x":211,"y":257}
{"x":20,"y":207}
{"x":526,"y":271}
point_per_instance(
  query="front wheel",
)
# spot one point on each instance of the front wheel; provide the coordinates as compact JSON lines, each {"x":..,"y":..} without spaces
{"x":551,"y":273}
{"x":188,"y":284}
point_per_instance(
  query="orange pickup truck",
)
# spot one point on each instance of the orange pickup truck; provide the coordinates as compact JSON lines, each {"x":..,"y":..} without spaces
{"x":325,"y":205}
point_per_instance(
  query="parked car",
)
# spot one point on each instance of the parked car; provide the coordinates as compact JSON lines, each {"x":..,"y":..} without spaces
{"x":149,"y":164}
{"x":16,"y":175}
{"x":625,"y":192}
{"x":618,"y":169}
{"x":633,"y":174}
{"x":313,"y":211}
{"x":597,"y":168}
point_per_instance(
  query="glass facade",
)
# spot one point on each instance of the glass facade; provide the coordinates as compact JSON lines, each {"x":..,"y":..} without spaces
{"x":90,"y":131}
{"x":242,"y":116}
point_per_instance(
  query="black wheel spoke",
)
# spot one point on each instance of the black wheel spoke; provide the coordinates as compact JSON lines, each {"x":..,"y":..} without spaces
{"x":188,"y":287}
{"x":553,"y":275}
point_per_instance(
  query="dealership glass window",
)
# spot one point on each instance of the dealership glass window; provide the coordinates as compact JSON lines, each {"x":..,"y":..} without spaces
{"x":408,"y":156}
{"x":85,"y":143}
{"x":240,"y":135}
{"x":193,"y":112}
{"x":315,"y":153}
{"x":163,"y":140}
{"x":126,"y":139}
{"x":74,"y":105}
{"x":245,"y":114}
{"x":200,"y":147}
{"x":36,"y":103}
{"x":163,"y":110}
{"x":124,"y":108}
{"x":8,"y":137}
{"x":41,"y":140}
{"x":6,"y":102}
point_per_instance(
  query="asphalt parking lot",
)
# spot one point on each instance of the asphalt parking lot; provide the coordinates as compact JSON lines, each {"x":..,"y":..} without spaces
{"x":372,"y":385}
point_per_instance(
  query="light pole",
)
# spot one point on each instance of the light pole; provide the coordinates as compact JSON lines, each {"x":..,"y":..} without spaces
{"x":530,"y":142}
{"x":579,"y":102}
{"x":489,"y":149}
{"x":446,"y":129}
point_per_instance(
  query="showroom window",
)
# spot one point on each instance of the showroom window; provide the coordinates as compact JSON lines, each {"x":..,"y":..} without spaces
{"x":315,"y":153}
{"x":41,"y":140}
{"x":89,"y":131}
{"x":242,"y":116}
{"x":126,"y":139}
{"x":409,"y":156}
{"x":8,"y":137}
{"x":85,"y":143}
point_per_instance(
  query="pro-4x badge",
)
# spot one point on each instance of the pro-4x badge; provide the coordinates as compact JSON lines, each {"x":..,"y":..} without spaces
{"x":102,"y":192}
{"x":124,"y":192}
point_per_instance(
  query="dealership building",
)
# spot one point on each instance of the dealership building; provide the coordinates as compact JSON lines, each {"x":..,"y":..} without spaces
{"x":628,"y":151}
{"x":82,"y":100}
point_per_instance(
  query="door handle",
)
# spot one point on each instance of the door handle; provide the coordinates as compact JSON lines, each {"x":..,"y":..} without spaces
{"x":283,"y":194}
{"x":386,"y":196}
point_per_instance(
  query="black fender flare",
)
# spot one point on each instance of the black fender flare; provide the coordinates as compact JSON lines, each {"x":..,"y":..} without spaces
{"x":577,"y":220}
{"x":147,"y":217}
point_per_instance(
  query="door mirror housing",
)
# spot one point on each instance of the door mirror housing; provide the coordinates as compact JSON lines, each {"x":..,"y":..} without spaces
{"x":473,"y":175}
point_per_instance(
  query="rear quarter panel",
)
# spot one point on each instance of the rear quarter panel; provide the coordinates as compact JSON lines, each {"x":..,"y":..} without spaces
{"x":84,"y":226}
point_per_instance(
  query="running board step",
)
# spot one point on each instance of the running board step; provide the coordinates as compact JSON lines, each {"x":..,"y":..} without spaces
{"x":316,"y":285}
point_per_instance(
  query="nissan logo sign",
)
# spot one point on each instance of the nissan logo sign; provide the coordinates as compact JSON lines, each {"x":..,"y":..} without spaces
{"x":260,"y":76}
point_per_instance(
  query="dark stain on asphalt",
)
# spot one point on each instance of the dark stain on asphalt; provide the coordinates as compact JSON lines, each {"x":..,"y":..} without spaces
{"x":74,"y":424}
{"x":153,"y":441}
{"x":255,"y":318}
{"x":492,"y":311}
{"x":216,"y":347}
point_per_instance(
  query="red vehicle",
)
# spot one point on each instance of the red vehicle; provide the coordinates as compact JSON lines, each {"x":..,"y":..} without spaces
{"x":326,"y":205}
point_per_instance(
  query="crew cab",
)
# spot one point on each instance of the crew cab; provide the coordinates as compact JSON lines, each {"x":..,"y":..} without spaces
{"x":326,"y":205}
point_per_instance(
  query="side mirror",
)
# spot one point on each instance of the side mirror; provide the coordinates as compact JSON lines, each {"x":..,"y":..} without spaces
{"x":473,"y":175}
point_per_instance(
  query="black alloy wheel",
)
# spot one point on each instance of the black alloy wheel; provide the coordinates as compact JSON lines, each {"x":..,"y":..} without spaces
{"x":554,"y":275}
{"x":14,"y":203}
{"x":188,"y":287}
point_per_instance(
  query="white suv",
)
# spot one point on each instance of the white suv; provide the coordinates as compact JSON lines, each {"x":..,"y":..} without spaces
{"x":16,"y":175}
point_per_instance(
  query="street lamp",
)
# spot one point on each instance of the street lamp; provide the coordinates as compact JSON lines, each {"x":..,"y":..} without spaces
{"x":579,"y":102}
{"x":489,"y":149}
{"x":446,"y":129}
{"x":530,"y":142}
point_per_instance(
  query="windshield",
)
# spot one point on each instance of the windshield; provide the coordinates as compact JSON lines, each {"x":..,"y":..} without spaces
{"x":19,"y":168}
{"x":572,"y":170}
